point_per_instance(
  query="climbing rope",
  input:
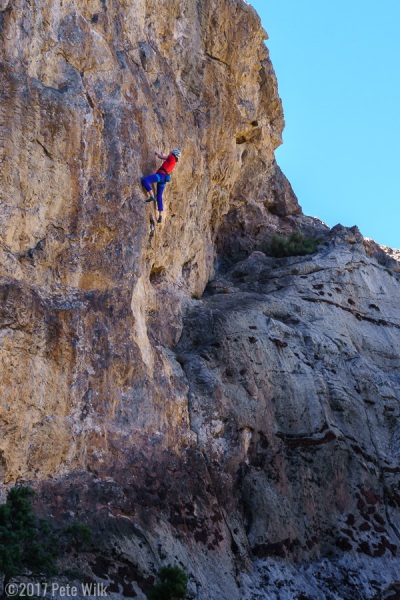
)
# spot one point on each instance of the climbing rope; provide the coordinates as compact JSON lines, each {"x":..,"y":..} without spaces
{"x":155,"y":246}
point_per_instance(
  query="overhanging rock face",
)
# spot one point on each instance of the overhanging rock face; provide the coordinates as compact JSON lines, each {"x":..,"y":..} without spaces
{"x":246,"y":430}
{"x":89,"y":91}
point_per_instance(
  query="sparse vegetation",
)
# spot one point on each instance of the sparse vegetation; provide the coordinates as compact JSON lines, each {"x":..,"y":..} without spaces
{"x":26,"y":542}
{"x":296,"y":244}
{"x":172,"y":584}
{"x":78,"y":535}
{"x":30,"y":545}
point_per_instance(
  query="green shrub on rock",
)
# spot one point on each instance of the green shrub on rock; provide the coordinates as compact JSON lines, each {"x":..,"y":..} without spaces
{"x":26,"y":542}
{"x":172,"y":585}
{"x":296,"y":244}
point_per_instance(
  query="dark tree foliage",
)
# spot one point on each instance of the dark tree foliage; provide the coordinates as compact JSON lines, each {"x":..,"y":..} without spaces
{"x":172,"y":585}
{"x":77,"y":536}
{"x":296,"y":244}
{"x":26,"y":542}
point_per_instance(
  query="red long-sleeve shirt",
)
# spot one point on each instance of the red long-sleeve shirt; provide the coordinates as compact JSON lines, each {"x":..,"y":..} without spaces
{"x":168,"y":165}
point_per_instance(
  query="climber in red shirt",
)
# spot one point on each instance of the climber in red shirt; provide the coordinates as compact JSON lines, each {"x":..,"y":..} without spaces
{"x":161,"y":177}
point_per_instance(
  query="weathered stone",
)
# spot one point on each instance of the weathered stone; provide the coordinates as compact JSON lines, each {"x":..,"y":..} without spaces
{"x":298,"y":367}
{"x":4,"y":4}
{"x":221,"y":426}
{"x":88,"y":93}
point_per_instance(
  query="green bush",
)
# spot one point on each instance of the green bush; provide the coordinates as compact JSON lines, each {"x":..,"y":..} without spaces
{"x":296,"y":244}
{"x":29,"y":544}
{"x":172,"y":585}
{"x":78,"y":536}
{"x":26,"y":542}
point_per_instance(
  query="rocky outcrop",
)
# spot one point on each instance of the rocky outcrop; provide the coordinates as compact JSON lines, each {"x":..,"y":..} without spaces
{"x":193,"y":399}
{"x":88,"y":92}
{"x":294,"y":394}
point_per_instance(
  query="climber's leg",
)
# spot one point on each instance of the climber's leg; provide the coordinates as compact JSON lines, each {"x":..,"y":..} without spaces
{"x":160,"y":191}
{"x":146,"y":183}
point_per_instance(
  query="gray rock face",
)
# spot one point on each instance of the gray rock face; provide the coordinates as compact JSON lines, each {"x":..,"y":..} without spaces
{"x":294,"y":389}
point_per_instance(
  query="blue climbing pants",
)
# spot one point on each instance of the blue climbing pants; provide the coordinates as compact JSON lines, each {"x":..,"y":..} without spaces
{"x":160,"y":180}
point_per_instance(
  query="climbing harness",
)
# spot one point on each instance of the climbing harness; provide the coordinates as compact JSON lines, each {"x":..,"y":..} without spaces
{"x":164,"y":172}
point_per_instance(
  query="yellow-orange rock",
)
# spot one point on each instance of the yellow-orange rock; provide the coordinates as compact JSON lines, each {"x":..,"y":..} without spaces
{"x":184,"y":423}
{"x":88,"y":92}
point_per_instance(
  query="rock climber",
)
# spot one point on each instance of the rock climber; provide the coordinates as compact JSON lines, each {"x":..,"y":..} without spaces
{"x":161,"y":177}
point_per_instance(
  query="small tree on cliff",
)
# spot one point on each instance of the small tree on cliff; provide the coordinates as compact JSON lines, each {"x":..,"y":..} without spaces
{"x":26,"y":544}
{"x":172,"y":585}
{"x":296,"y":244}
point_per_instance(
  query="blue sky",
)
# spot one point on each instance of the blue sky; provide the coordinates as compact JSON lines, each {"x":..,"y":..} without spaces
{"x":338,"y":73}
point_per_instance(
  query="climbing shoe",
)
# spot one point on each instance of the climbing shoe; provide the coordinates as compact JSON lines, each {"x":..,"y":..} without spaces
{"x":152,"y":199}
{"x":159,"y":220}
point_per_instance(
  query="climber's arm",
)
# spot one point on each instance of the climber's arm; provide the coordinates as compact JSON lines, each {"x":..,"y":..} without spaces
{"x":160,"y":155}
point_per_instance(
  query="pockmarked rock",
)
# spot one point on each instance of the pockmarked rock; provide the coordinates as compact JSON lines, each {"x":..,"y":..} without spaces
{"x":192,"y":399}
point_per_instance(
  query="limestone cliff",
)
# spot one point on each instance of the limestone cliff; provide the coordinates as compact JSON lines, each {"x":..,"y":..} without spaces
{"x":246,"y":428}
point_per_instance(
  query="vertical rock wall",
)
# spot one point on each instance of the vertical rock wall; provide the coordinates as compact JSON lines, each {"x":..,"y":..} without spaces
{"x":88,"y":91}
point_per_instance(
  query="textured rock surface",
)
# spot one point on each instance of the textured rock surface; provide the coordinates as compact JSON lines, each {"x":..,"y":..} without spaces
{"x":249,"y":434}
{"x":88,"y":92}
{"x":294,"y":394}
